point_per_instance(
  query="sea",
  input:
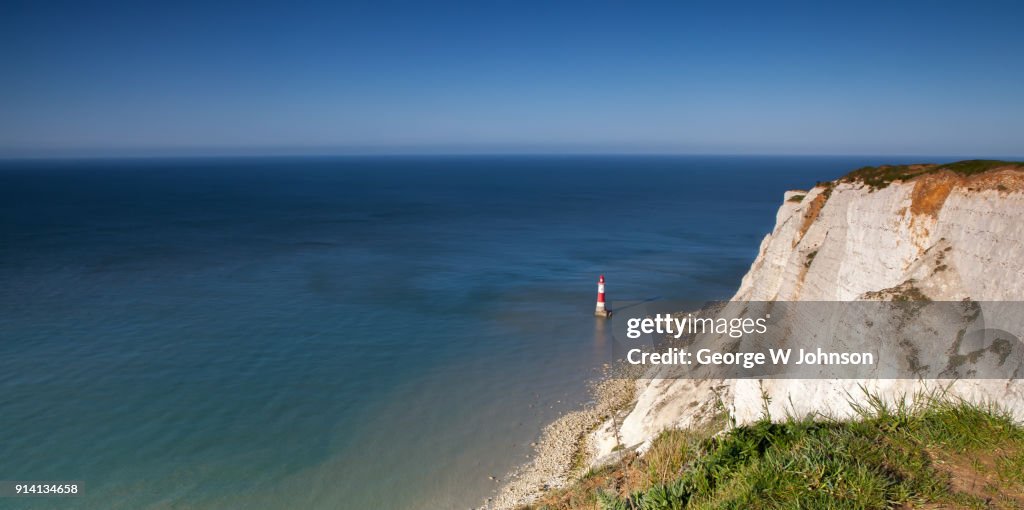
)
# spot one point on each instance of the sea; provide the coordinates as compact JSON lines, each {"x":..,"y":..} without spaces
{"x":358,"y":332}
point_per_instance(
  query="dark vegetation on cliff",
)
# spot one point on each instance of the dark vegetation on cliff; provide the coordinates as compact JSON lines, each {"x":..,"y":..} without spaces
{"x":878,"y":177}
{"x":938,"y":454}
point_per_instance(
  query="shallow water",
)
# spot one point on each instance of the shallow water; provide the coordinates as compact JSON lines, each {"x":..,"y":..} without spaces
{"x":336,"y":332}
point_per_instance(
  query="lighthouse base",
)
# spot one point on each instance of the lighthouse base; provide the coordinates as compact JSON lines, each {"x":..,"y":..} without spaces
{"x":603,"y":313}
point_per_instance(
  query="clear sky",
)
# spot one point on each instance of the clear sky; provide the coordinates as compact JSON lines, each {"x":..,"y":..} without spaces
{"x":929,"y":78}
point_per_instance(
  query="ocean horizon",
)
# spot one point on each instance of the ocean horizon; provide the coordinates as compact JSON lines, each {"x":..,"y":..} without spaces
{"x":339,"y":332}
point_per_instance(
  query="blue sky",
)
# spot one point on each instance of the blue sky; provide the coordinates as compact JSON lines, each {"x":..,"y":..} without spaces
{"x":511,"y":76}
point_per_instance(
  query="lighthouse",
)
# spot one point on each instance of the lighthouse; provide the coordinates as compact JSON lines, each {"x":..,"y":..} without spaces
{"x":601,"y":310}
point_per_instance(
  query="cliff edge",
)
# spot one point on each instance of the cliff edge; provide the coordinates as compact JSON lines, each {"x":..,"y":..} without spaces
{"x":911,"y":232}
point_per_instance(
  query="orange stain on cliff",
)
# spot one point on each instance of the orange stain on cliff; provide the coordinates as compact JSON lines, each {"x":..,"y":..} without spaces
{"x":813,"y":210}
{"x":931,"y":190}
{"x":930,"y":193}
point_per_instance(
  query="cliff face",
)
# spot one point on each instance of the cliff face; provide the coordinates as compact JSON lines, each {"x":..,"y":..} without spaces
{"x":845,"y":240}
{"x":914,"y":232}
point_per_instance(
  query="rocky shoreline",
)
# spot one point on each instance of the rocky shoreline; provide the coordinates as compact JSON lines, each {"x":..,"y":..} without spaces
{"x":562,"y":453}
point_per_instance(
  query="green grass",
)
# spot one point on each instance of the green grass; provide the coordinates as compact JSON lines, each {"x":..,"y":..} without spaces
{"x":977,"y":166}
{"x":891,"y":456}
{"x":878,"y":177}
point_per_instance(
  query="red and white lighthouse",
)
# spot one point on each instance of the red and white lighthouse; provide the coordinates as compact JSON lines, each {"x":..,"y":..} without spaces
{"x":601,"y":310}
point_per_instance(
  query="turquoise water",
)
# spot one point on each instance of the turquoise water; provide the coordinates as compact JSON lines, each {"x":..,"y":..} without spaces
{"x":336,"y":332}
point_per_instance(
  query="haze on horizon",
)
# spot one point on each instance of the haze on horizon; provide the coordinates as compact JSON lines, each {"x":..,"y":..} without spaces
{"x":192,"y":78}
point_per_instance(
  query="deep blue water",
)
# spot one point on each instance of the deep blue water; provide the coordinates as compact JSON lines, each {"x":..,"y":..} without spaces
{"x":336,"y":332}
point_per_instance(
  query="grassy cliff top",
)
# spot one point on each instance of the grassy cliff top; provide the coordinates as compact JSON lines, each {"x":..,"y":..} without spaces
{"x":937,"y":454}
{"x":881,"y":176}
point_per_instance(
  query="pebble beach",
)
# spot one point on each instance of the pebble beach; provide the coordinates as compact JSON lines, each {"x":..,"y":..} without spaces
{"x":562,"y":453}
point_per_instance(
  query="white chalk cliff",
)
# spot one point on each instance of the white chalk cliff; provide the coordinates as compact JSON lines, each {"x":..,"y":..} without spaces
{"x":944,"y":233}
